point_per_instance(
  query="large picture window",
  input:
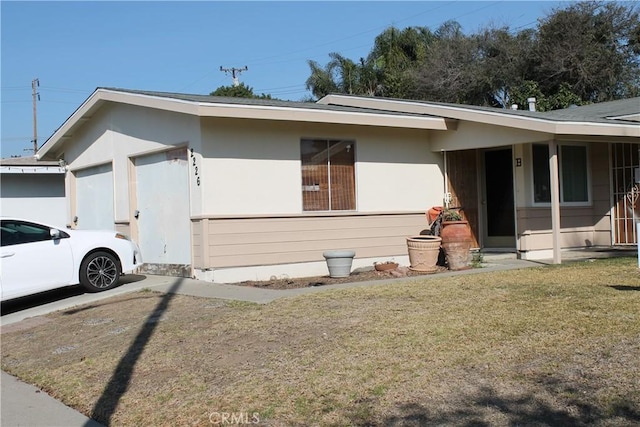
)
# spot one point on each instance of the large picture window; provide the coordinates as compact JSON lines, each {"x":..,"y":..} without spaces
{"x":574,"y":175}
{"x":328,"y":177}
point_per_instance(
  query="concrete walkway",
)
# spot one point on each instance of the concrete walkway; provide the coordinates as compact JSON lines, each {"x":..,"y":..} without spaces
{"x":25,"y":405}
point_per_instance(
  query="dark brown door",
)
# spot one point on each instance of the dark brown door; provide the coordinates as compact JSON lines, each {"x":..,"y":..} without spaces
{"x":498,"y":199}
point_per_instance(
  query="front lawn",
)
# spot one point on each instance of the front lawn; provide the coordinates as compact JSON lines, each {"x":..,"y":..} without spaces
{"x":555,"y":345}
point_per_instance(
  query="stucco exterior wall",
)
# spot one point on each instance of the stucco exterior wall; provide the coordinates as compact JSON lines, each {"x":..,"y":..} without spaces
{"x":38,"y":197}
{"x":479,"y":135}
{"x":254,"y":168}
{"x":120,"y":132}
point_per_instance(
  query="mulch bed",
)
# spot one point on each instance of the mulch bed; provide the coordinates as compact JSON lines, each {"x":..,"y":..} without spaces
{"x":359,"y":275}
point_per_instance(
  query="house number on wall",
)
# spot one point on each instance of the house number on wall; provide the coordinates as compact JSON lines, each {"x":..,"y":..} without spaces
{"x":195,"y":167}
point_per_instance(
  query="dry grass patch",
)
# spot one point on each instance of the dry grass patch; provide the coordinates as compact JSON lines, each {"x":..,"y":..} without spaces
{"x":549,"y":345}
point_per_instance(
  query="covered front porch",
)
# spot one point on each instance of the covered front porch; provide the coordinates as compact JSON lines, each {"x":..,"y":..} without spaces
{"x":538,"y":199}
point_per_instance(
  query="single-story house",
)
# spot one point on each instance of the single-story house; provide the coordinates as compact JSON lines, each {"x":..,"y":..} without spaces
{"x":33,"y":189}
{"x":228,"y":189}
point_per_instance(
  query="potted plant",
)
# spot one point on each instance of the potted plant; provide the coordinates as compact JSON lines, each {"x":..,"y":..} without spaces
{"x":339,"y":262}
{"x":456,"y":239}
{"x":423,"y":253}
{"x":385,"y":266}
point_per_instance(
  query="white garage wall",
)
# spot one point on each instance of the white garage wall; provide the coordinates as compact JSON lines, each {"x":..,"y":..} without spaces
{"x":119,"y":132}
{"x":94,"y":194}
{"x":253,"y":168}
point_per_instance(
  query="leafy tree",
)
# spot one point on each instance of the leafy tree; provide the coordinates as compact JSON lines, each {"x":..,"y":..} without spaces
{"x":586,"y":52}
{"x":382,"y":73}
{"x":447,"y":73}
{"x":239,"y":91}
{"x":395,"y":53}
{"x":321,"y":81}
{"x":592,"y":47}
{"x":503,"y":63}
{"x":342,"y":75}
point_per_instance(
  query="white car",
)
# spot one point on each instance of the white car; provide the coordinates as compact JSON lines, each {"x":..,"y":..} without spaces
{"x":38,"y":257}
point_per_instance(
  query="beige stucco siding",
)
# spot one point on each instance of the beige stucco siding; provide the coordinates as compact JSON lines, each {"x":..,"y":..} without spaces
{"x":480,"y":135}
{"x":235,"y":242}
{"x":254,"y":168}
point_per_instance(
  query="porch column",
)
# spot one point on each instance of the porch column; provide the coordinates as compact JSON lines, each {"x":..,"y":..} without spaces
{"x":555,"y":200}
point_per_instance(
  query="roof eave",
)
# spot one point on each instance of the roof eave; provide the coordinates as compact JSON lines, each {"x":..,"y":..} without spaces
{"x":204,"y":109}
{"x":323,"y":116}
{"x":498,"y":118}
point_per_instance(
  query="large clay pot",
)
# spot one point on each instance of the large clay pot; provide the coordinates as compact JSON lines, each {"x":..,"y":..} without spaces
{"x":423,"y":253}
{"x":456,"y":243}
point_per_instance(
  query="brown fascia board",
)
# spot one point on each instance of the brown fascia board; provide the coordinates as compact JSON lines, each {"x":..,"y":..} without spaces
{"x":497,"y":118}
{"x":243,"y":111}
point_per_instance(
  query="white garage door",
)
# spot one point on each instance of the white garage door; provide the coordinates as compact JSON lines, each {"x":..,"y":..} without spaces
{"x":164,"y":227}
{"x":94,"y":198}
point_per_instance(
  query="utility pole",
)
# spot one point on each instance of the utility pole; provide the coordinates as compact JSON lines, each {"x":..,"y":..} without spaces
{"x":36,"y":97}
{"x":235,"y":72}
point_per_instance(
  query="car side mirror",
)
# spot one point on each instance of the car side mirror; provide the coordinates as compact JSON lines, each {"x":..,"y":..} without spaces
{"x":55,"y":234}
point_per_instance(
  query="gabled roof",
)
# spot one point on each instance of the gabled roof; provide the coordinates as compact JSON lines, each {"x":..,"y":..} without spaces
{"x":614,"y":118}
{"x":240,"y":108}
{"x":608,"y":119}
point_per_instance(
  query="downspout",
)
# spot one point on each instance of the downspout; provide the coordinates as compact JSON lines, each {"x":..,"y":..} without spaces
{"x":555,"y":200}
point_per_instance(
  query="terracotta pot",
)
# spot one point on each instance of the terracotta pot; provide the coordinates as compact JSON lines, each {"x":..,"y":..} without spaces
{"x":423,"y":253}
{"x":456,"y":243}
{"x":386,"y":266}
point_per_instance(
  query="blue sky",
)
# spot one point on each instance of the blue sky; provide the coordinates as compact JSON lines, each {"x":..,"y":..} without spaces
{"x":73,"y":47}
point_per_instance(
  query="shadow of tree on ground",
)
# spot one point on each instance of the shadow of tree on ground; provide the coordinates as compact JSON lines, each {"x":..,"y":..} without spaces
{"x":557,"y":403}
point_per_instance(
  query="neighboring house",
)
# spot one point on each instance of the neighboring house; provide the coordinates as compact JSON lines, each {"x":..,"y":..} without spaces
{"x":228,"y":189}
{"x":33,"y":189}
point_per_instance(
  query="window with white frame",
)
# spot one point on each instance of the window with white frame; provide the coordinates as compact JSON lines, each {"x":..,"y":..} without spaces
{"x":328,"y":176}
{"x":574,"y":173}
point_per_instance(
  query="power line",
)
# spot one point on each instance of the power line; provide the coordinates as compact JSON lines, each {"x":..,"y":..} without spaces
{"x":36,"y":97}
{"x":235,"y":73}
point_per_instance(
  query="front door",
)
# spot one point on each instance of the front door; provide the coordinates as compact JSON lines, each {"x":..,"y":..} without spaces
{"x":498,"y":200}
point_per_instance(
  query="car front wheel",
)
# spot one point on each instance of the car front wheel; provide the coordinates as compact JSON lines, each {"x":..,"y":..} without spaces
{"x":99,"y":271}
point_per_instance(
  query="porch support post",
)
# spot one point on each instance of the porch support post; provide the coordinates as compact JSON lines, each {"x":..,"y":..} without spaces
{"x":555,"y":200}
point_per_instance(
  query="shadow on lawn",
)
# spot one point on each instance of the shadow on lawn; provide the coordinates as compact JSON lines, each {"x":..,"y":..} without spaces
{"x":574,"y":408}
{"x":625,"y":287}
{"x":106,"y":405}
